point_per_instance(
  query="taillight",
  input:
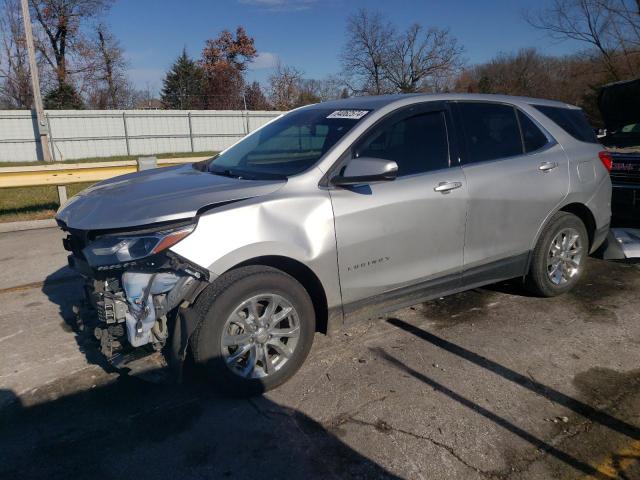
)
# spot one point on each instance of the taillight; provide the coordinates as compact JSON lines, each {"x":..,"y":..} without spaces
{"x":606,"y":159}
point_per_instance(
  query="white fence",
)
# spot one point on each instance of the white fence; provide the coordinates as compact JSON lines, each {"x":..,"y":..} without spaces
{"x":75,"y":134}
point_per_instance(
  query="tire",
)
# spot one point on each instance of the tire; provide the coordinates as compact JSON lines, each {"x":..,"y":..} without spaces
{"x":555,"y":268}
{"x":241,"y":292}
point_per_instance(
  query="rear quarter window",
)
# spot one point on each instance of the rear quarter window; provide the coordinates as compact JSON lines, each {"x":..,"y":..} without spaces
{"x":571,"y":120}
{"x":534,"y":139}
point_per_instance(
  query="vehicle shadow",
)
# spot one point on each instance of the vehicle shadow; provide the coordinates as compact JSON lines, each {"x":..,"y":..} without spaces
{"x":141,"y":430}
{"x":510,"y":287}
{"x":593,"y":414}
{"x":551,"y":394}
{"x":516,"y":286}
{"x":66,"y":290}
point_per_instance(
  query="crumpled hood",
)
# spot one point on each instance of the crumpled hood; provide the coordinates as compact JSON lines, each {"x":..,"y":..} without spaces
{"x":157,"y":195}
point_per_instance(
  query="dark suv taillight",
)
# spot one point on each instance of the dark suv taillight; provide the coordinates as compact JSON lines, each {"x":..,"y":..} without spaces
{"x":606,"y":159}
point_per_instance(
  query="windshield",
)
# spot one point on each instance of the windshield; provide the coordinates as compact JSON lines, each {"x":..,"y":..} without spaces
{"x":287,"y":146}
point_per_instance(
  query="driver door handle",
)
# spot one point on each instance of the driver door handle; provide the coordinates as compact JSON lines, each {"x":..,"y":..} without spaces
{"x":547,"y":166}
{"x":446,"y":187}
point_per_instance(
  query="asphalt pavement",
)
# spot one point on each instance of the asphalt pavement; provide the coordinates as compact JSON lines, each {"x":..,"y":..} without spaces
{"x":487,"y":384}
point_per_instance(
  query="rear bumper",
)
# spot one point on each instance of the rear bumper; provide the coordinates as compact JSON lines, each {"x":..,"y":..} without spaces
{"x":626,"y":194}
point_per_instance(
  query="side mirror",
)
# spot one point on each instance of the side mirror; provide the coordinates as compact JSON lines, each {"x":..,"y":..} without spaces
{"x":364,"y":170}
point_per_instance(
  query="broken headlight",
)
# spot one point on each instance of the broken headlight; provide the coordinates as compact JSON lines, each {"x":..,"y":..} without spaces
{"x":113,"y":249}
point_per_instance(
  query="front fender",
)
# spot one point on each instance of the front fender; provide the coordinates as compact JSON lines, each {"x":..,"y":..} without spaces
{"x":299,"y":227}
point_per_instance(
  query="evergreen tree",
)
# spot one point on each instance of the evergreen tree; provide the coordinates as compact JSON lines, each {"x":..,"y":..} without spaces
{"x":183,"y":85}
{"x":63,"y":97}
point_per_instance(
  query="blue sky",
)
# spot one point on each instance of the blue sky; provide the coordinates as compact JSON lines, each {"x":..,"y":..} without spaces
{"x":308,"y":34}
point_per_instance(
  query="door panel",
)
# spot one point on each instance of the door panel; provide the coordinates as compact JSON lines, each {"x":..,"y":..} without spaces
{"x":508,"y":202}
{"x":511,"y":192}
{"x":399,"y":233}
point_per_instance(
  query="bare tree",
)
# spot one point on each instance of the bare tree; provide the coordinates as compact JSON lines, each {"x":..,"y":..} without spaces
{"x":625,"y":29}
{"x":609,"y":27}
{"x":419,"y":59}
{"x":289,"y":89}
{"x":376,"y":59}
{"x":15,"y":88}
{"x":83,"y":62}
{"x":112,"y":64}
{"x":284,"y":87}
{"x":63,"y":34}
{"x":625,"y":17}
{"x":527,"y":73}
{"x":329,"y":88}
{"x":109,"y":86}
{"x":369,"y":39}
{"x":574,"y":79}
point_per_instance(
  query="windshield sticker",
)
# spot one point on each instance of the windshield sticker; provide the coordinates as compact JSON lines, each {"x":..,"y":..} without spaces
{"x":349,"y":114}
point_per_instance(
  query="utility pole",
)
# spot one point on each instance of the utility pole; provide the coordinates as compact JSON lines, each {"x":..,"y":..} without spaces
{"x":43,"y":129}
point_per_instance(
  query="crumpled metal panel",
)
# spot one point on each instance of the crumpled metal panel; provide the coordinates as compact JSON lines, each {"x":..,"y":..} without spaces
{"x":296,"y":222}
{"x":156,"y":195}
{"x":623,"y":243}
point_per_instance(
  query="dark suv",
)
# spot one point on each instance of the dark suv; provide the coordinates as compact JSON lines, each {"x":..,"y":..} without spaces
{"x":620,"y":108}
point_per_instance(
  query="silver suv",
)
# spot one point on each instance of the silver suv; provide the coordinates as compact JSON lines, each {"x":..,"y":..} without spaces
{"x":330,"y":213}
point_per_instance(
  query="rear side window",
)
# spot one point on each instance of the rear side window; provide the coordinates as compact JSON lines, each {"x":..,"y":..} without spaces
{"x":572,"y":121}
{"x":491,"y":131}
{"x":534,"y":139}
{"x":417,"y":144}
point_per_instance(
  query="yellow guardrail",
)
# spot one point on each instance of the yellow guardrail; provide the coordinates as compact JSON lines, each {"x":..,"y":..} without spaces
{"x":62,"y":174}
{"x":67,"y":173}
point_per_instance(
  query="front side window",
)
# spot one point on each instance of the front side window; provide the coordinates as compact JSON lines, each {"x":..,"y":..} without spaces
{"x":490,"y":130}
{"x":417,"y":144}
{"x":287,"y":146}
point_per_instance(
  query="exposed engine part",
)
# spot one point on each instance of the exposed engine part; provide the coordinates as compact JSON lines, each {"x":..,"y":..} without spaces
{"x":140,"y":289}
{"x":112,"y":308}
{"x":160,"y":305}
{"x":111,"y":339}
{"x":159,"y":333}
{"x":112,"y":285}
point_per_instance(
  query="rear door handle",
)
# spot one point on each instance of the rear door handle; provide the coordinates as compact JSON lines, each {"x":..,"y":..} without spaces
{"x":547,"y":166}
{"x":446,"y":187}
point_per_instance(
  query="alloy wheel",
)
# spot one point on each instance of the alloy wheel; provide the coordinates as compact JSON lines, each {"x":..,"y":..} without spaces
{"x":565,"y":256}
{"x":260,"y":336}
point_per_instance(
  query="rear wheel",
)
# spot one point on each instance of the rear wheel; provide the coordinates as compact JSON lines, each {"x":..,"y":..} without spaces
{"x":559,"y":256}
{"x":256,"y":329}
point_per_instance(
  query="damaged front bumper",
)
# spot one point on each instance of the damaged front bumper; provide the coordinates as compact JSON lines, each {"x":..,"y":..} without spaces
{"x":132,"y":305}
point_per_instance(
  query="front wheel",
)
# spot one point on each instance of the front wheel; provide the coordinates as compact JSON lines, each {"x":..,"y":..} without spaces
{"x":256,"y":329}
{"x":559,"y":257}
